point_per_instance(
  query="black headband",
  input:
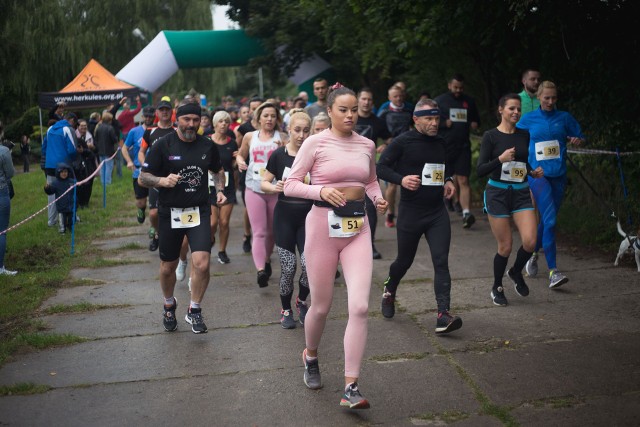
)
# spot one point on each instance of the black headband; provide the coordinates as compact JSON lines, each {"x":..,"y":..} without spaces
{"x":189,"y":108}
{"x":430,"y":112}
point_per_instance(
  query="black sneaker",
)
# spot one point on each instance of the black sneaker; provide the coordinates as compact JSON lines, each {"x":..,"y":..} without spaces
{"x":302,"y":308}
{"x":246,"y":244}
{"x":194,"y":318}
{"x":223,"y":258}
{"x":338,"y":275}
{"x":353,"y":399}
{"x":388,"y":305}
{"x":263,"y":279}
{"x":169,"y":317}
{"x":153,"y":244}
{"x":468,"y":220}
{"x":267,"y":269}
{"x":447,"y":323}
{"x":449,"y":204}
{"x":376,"y":254}
{"x":141,"y":215}
{"x":286,"y":320}
{"x":497,"y":295}
{"x":457,"y":207}
{"x":311,"y":372}
{"x":518,"y":281}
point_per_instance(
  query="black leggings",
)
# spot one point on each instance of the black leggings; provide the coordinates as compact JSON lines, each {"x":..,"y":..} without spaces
{"x":372,"y":214}
{"x":411,"y":225}
{"x":289,"y":229}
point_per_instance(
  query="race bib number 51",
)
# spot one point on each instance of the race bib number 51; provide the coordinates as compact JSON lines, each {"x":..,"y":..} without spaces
{"x":185,"y":217}
{"x":344,"y":226}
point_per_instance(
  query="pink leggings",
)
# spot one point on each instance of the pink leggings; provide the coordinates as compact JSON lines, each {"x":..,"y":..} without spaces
{"x":260,"y":209}
{"x":322,"y":254}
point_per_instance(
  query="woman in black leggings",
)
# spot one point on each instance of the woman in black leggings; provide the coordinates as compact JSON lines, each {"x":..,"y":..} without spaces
{"x":289,"y":219}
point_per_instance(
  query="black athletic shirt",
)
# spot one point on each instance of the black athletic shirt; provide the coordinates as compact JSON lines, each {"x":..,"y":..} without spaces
{"x":151,"y":135}
{"x":277,"y":163}
{"x":226,"y":158}
{"x":457,"y":136}
{"x":397,"y":122}
{"x":245,"y":128}
{"x":190,"y":160}
{"x":372,"y":127}
{"x":406,"y":155}
{"x":494,"y":143}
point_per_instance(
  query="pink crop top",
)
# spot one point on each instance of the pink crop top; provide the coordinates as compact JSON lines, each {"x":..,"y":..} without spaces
{"x":333,"y":161}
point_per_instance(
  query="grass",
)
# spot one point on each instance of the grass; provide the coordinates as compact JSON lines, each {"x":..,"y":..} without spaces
{"x":43,"y":257}
{"x":83,"y":307}
{"x":447,"y":417}
{"x":23,"y":389}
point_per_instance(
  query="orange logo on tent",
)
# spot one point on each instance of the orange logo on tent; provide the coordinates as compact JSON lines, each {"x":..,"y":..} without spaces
{"x":95,"y":77}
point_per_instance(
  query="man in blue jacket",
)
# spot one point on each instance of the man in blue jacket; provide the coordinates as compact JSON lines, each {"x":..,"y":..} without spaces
{"x":59,"y":147}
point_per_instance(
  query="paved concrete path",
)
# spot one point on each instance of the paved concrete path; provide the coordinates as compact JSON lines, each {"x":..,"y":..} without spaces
{"x":564,"y":357}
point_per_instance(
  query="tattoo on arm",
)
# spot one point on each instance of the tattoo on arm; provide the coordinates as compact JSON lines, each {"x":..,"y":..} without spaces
{"x":147,"y":180}
{"x":219,"y":180}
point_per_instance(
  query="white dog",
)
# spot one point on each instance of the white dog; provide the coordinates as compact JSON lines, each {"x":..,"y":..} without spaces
{"x":628,"y":244}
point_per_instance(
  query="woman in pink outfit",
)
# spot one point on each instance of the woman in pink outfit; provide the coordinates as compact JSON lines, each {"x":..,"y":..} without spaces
{"x":252,"y":157}
{"x":342,"y":168}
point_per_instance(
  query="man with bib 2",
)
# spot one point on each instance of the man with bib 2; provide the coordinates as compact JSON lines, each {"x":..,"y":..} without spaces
{"x":178,"y":165}
{"x":415,"y":160}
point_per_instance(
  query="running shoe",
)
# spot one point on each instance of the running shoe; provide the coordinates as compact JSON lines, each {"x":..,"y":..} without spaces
{"x":194,"y":318}
{"x":376,"y":254}
{"x":338,"y":275}
{"x":518,"y":281}
{"x":181,"y":270}
{"x":246,"y":244}
{"x":263,"y":279}
{"x":141,"y":215}
{"x":267,"y":269}
{"x":449,"y":204}
{"x":286,"y":320}
{"x":223,"y":258}
{"x":311,"y":372}
{"x":447,"y":323}
{"x":457,"y":207}
{"x":531,"y":267}
{"x":5,"y":272}
{"x":388,"y":305}
{"x":302,"y":308}
{"x":497,"y":295}
{"x":353,"y":399}
{"x":557,"y":279}
{"x":468,"y":220}
{"x":389,"y":222}
{"x":152,"y":232}
{"x":169,"y":318}
{"x":153,"y":244}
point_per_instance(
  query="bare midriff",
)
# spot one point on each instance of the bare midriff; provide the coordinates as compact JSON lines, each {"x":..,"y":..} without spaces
{"x":352,"y":193}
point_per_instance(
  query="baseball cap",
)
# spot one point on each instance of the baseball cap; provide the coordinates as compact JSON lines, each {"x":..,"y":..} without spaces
{"x":148,"y":111}
{"x":164,"y":104}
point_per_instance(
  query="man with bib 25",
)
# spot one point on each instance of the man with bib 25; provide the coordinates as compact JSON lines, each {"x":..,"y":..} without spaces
{"x":178,"y":165}
{"x":415,"y":160}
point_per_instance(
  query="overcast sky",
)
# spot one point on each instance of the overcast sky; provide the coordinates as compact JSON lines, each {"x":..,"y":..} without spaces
{"x":220,"y":20}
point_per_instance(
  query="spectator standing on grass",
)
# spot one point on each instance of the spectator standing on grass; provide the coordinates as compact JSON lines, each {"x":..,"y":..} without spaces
{"x":25,"y":150}
{"x":6,"y":172}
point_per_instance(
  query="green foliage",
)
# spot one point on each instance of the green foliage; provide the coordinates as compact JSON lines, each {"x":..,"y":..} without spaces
{"x":23,"y":389}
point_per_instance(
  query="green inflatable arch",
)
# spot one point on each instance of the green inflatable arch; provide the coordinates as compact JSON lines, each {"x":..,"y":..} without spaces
{"x":170,"y":51}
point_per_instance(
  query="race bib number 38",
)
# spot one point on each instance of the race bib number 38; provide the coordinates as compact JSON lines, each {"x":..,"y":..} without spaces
{"x":547,"y":150}
{"x":185,"y":217}
{"x":433,"y":174}
{"x":344,"y":227}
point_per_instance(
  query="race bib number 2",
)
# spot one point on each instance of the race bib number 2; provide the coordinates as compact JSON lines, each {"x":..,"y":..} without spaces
{"x":185,"y":217}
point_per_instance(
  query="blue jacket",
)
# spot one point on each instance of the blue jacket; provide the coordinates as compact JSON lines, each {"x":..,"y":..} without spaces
{"x":60,"y":145}
{"x":59,"y":186}
{"x":549,"y":126}
{"x":133,"y":142}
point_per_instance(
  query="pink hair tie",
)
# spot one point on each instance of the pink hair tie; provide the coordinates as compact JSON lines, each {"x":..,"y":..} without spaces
{"x":336,"y":86}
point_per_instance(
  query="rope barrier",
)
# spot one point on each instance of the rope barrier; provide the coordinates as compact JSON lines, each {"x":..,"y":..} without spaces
{"x":84,"y":181}
{"x":594,"y":151}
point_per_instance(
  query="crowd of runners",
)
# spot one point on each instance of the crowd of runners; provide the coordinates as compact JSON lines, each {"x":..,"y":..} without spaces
{"x":313,"y":180}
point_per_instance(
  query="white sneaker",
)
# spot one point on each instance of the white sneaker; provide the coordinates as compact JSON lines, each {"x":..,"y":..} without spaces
{"x":5,"y":272}
{"x":557,"y":279}
{"x":181,"y":270}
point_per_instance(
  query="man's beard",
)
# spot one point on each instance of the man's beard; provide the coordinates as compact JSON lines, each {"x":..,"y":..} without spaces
{"x":188,"y":133}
